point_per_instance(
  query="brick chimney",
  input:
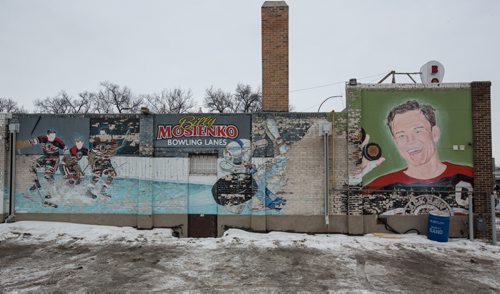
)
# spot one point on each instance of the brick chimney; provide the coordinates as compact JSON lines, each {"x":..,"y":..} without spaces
{"x":274,"y":56}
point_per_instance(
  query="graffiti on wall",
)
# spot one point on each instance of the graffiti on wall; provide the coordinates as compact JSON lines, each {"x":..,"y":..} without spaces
{"x":71,"y":159}
{"x":415,"y":154}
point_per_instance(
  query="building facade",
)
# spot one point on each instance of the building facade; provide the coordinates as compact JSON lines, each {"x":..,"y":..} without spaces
{"x":203,"y":173}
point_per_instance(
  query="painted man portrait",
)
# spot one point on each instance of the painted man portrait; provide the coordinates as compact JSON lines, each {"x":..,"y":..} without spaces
{"x":415,"y":135}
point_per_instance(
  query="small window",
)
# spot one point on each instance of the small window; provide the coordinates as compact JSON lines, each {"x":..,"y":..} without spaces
{"x":205,"y":164}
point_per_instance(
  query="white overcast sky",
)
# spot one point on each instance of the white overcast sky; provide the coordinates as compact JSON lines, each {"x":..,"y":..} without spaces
{"x":47,"y":46}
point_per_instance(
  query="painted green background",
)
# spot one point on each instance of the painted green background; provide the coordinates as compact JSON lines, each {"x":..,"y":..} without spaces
{"x":453,"y":117}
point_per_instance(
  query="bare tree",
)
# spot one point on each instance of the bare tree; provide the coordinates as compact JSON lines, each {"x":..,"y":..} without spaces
{"x":218,"y":100}
{"x":245,"y":100}
{"x":9,"y":105}
{"x":112,"y":98}
{"x":86,"y":103}
{"x":171,"y":101}
{"x":63,"y":103}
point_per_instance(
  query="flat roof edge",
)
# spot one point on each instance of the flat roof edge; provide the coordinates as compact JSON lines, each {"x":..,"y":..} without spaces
{"x":412,"y":86}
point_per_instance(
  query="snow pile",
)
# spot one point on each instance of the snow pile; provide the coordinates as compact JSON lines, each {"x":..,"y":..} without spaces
{"x":27,"y":231}
{"x":375,"y":241}
{"x":64,"y":233}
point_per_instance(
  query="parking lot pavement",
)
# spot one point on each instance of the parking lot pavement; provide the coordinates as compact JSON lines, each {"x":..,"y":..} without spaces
{"x":128,"y":260}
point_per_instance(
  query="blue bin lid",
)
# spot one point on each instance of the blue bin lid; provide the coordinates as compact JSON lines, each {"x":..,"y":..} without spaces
{"x":440,"y":213}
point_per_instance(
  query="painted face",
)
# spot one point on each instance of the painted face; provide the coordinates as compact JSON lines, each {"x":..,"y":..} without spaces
{"x":79,"y":144}
{"x":414,"y":137}
{"x":51,"y":137}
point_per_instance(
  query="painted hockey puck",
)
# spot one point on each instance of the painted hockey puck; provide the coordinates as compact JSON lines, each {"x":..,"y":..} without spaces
{"x":372,"y":151}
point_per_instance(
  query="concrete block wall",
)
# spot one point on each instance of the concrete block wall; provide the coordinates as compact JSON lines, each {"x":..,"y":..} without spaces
{"x":303,"y":172}
{"x":305,"y":165}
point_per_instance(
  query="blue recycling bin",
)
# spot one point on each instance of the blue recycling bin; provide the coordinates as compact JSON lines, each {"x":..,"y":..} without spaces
{"x":438,"y":226}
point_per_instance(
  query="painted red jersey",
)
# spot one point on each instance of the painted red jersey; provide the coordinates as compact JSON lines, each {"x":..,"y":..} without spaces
{"x":50,"y":148}
{"x":446,"y":181}
{"x":77,"y":154}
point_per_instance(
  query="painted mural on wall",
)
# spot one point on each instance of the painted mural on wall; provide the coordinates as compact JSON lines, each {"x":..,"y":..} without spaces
{"x":236,"y":184}
{"x":74,"y":166}
{"x":121,"y":131}
{"x":256,"y":171}
{"x":109,"y":137}
{"x":66,"y":130}
{"x":242,"y":180}
{"x":89,"y":165}
{"x":415,"y":151}
{"x":251,"y":172}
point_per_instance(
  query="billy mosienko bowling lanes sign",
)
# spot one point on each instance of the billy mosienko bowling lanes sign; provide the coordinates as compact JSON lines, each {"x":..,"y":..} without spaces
{"x":195,"y":130}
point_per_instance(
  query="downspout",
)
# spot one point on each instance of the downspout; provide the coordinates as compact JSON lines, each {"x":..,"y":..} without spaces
{"x":493,"y":222}
{"x":325,"y":131}
{"x":13,"y":129}
{"x":325,"y":136}
{"x":471,"y":218}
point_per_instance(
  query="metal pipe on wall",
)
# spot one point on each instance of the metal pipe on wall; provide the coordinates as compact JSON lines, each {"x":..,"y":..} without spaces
{"x":493,"y":220}
{"x":325,"y":147}
{"x":13,"y":129}
{"x":471,"y":218}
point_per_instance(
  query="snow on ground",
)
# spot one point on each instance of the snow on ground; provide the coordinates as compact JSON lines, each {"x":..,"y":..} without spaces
{"x":51,"y":256}
{"x":366,"y":242}
{"x":95,"y":234}
{"x":92,"y":234}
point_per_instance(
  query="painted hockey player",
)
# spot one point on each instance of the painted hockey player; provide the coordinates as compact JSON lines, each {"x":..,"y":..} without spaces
{"x":70,"y":167}
{"x":49,"y":161}
{"x":100,"y":161}
{"x":242,"y":179}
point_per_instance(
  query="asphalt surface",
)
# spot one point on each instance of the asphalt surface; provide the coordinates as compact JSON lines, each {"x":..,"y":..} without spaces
{"x":229,"y":266}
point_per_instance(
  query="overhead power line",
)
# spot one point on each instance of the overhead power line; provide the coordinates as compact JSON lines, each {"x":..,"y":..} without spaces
{"x":336,"y":83}
{"x":376,"y":76}
{"x":317,"y":104}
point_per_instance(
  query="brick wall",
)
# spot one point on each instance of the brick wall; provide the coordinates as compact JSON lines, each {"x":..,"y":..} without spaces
{"x":482,"y":156}
{"x":275,"y":56}
{"x":354,"y":154}
{"x":338,"y":191}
